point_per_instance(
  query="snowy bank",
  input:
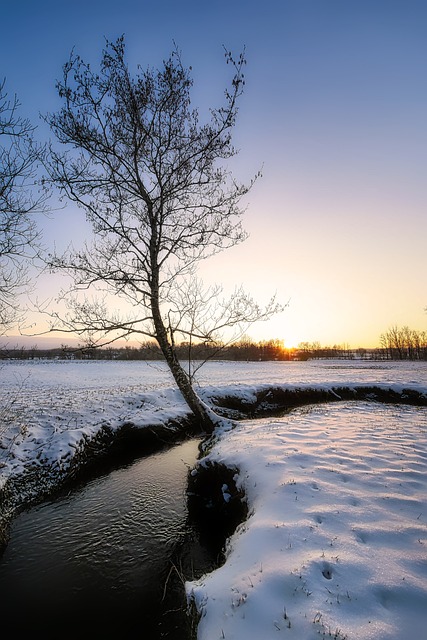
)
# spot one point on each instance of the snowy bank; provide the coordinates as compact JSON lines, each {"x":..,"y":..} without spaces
{"x":335,"y":542}
{"x":53,"y":443}
{"x":47,"y":437}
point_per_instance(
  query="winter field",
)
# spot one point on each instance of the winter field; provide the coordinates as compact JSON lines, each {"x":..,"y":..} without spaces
{"x":335,"y":545}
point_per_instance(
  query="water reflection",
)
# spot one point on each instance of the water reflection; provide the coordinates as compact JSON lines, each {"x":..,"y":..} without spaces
{"x":98,"y":558}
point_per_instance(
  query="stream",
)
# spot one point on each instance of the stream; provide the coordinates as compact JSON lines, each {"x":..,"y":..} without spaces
{"x":104,"y":558}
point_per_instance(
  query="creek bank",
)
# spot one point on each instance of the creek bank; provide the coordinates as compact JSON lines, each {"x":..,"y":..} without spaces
{"x":104,"y":451}
{"x":109,"y":447}
{"x":271,"y":400}
{"x":215,"y":505}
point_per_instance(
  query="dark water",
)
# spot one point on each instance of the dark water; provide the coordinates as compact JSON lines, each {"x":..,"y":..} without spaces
{"x":98,"y":561}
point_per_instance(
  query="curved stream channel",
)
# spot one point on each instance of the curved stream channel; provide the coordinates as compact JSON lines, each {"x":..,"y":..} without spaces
{"x":99,"y":559}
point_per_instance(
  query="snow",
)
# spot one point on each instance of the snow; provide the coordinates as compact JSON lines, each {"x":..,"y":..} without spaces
{"x":335,"y":545}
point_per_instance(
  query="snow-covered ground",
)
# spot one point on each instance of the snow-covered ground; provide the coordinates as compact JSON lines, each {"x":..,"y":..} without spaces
{"x":336,"y":542}
{"x":48,"y":407}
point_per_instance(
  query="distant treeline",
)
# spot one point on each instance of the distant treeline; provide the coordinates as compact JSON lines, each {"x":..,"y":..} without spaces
{"x":404,"y":344}
{"x":396,"y":344}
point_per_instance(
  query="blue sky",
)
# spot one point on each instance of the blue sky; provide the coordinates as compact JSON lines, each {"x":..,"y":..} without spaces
{"x":335,"y":112}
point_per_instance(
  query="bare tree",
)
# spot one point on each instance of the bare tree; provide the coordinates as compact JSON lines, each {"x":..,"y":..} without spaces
{"x":151,"y":180}
{"x":403,"y":343}
{"x":20,"y":198}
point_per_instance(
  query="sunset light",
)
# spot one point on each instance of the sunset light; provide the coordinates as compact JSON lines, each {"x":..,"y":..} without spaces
{"x":332,"y":114}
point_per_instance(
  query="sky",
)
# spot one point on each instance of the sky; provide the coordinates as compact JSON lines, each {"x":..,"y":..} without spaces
{"x":334,"y":112}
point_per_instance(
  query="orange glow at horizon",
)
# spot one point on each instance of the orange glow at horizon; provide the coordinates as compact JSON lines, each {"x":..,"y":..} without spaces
{"x":336,"y":223}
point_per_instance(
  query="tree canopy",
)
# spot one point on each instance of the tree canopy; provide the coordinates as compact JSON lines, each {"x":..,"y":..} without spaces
{"x":154,"y":184}
{"x":20,"y":198}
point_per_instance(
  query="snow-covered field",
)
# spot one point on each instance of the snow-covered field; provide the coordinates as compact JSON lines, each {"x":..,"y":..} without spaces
{"x":336,"y":542}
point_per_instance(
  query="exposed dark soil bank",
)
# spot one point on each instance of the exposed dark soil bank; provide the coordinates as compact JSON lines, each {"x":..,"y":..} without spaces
{"x":215,"y":508}
{"x":215,"y":505}
{"x":274,"y":400}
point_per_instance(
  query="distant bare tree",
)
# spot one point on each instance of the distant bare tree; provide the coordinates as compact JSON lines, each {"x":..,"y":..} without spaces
{"x":19,"y":200}
{"x":403,"y":343}
{"x":150,"y":179}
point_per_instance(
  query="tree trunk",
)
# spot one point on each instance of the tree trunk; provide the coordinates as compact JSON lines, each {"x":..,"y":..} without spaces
{"x":202,"y":412}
